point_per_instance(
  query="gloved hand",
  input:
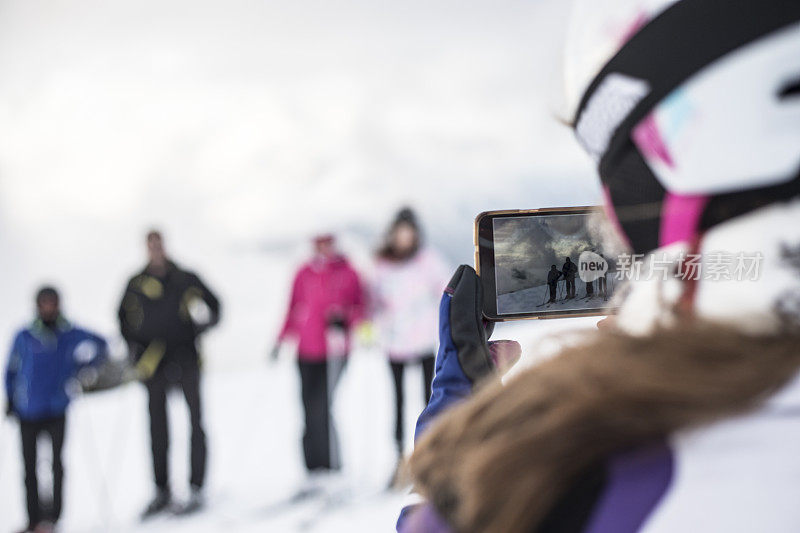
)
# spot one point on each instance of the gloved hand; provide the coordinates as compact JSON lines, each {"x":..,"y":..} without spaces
{"x":10,"y":408}
{"x":465,"y":355}
{"x":275,"y":352}
{"x":366,"y":335}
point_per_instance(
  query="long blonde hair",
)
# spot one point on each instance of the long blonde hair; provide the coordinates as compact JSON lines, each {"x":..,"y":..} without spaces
{"x":500,"y":461}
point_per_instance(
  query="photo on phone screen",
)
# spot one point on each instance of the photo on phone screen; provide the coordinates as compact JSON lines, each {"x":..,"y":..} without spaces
{"x":549,"y":263}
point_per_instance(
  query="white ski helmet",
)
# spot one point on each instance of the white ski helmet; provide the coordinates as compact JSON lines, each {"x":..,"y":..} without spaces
{"x":691,"y":109}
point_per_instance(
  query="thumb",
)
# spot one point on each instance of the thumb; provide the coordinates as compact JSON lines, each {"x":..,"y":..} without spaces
{"x":505,"y":354}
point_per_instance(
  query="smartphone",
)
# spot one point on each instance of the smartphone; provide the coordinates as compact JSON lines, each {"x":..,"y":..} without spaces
{"x":543,"y":263}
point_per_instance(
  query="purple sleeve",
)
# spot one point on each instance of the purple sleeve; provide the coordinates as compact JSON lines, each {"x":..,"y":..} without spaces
{"x":638,"y":482}
{"x":421,"y":518}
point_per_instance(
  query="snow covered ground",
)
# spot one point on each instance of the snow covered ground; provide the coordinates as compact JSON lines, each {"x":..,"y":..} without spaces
{"x":536,"y":299}
{"x":254,"y":426}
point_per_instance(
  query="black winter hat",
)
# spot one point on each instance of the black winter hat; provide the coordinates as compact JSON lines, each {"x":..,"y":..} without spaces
{"x":406,"y":215}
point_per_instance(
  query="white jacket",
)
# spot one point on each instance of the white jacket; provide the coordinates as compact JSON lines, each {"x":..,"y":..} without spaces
{"x":405,"y":297}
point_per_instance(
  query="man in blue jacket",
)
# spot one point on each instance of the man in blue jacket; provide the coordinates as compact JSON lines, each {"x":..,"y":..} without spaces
{"x":40,"y":378}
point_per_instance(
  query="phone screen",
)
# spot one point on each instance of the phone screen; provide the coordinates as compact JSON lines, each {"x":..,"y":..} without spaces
{"x":547,"y":264}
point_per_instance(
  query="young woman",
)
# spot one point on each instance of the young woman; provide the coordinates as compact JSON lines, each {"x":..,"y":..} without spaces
{"x":408,"y":281}
{"x":683,"y":415}
{"x":326,"y":302}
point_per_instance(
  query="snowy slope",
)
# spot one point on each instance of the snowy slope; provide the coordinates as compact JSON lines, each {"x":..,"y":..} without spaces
{"x":536,"y":299}
{"x":253,"y":421}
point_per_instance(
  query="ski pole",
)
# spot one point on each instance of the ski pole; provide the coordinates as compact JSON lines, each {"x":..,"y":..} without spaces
{"x":92,"y":454}
{"x":3,"y":437}
{"x":118,"y":441}
{"x":333,"y":449}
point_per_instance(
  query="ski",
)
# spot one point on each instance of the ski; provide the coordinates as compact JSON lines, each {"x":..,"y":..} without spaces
{"x":298,"y":499}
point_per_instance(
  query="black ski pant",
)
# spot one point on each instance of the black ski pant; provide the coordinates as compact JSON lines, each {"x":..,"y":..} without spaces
{"x":570,"y":287}
{"x":602,"y":286}
{"x":552,"y":287}
{"x":186,"y":374}
{"x":318,"y":380}
{"x":30,"y":431}
{"x":398,"y":369}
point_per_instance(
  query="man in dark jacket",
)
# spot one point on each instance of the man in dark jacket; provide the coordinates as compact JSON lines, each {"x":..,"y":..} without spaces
{"x":46,"y":358}
{"x":552,"y":282}
{"x":161,"y":318}
{"x":569,"y":270}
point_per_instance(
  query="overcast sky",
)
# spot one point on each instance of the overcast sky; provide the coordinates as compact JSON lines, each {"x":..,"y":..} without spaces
{"x":243,"y":127}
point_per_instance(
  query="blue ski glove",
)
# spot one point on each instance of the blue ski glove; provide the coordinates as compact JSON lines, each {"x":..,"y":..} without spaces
{"x":464,"y":356}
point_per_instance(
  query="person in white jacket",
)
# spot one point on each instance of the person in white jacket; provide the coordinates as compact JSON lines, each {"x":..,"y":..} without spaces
{"x":408,"y":280}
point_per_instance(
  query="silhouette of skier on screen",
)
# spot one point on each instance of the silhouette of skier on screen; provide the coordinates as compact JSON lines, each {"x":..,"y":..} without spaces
{"x":568,"y":271}
{"x":552,"y":282}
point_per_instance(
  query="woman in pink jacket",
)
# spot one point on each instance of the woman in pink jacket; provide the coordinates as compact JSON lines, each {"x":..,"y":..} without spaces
{"x":326,"y":301}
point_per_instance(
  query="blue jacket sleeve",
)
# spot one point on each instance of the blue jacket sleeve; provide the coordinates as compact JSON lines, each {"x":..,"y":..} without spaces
{"x":462,"y":360}
{"x":12,"y":367}
{"x":450,"y":384}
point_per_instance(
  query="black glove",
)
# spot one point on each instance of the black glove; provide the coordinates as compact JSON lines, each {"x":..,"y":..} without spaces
{"x":10,"y":408}
{"x":469,"y":331}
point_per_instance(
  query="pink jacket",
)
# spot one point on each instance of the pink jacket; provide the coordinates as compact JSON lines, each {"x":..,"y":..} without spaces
{"x":324,"y":291}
